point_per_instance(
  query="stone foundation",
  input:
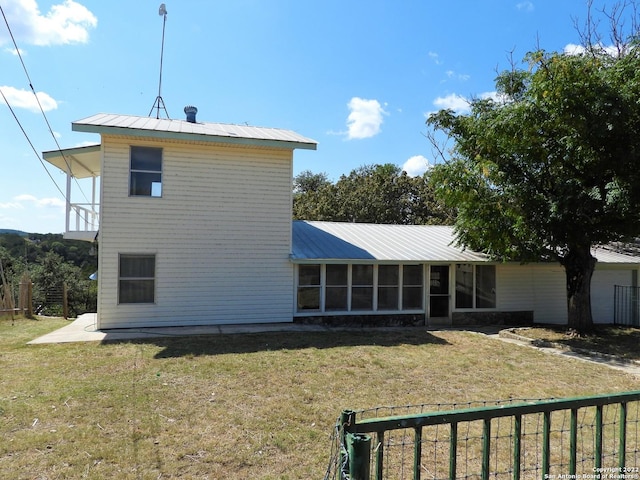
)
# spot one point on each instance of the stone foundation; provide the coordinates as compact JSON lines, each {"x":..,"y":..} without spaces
{"x":524,"y":318}
{"x":398,"y":320}
{"x":459,"y":319}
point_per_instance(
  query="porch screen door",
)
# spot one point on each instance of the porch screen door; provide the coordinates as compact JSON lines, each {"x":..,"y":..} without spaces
{"x":439,"y":292}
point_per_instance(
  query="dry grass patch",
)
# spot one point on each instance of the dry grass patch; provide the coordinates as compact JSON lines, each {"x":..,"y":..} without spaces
{"x":242,"y":406}
{"x":620,"y":341}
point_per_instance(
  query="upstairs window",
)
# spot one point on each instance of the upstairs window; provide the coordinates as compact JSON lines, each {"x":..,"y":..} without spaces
{"x":145,"y":173}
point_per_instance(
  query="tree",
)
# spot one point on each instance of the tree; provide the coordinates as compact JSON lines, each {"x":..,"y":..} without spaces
{"x":369,"y":194}
{"x":550,"y":168}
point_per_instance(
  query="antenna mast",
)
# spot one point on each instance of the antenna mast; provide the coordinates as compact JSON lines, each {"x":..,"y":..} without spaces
{"x":159,"y":103}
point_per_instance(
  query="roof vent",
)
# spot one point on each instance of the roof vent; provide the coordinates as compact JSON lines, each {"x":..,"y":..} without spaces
{"x":191,"y":113}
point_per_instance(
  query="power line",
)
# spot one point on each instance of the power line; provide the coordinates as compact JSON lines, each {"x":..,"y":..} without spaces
{"x":30,"y":143}
{"x":64,"y":157}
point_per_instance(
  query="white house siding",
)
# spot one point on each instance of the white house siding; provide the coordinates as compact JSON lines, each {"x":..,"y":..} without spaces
{"x":221,"y":234}
{"x":602,"y":291}
{"x":542,"y":289}
{"x":531,"y":287}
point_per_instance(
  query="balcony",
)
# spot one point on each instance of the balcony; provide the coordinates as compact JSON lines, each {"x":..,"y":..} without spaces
{"x":82,"y":166}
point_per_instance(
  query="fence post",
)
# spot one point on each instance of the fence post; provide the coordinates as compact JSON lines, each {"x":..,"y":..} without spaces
{"x":359,"y":448}
{"x":65,"y":304}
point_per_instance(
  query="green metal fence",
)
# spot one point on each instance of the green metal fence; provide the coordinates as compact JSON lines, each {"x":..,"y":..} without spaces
{"x":595,"y":437}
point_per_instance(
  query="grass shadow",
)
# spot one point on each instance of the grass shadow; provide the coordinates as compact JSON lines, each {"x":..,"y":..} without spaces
{"x":222,"y":344}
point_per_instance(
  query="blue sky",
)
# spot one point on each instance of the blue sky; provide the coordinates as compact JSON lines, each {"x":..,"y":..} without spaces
{"x":357,"y":76}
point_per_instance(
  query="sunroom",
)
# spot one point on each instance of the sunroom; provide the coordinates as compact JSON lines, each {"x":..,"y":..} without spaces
{"x":400,"y":274}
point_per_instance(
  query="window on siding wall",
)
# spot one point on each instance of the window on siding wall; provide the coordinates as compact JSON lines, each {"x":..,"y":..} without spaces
{"x":412,"y":287}
{"x":337,"y":289}
{"x":362,"y":287}
{"x":475,"y":286}
{"x":145,"y":176}
{"x":388,"y":287}
{"x":309,"y":287}
{"x":137,"y":278}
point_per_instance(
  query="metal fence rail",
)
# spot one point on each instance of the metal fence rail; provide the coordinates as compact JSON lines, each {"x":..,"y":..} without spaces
{"x":626,"y":310}
{"x":584,"y":437}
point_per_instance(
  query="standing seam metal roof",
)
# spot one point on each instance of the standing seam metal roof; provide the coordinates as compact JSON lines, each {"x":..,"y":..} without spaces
{"x":329,"y":241}
{"x":362,"y":241}
{"x":226,"y":133}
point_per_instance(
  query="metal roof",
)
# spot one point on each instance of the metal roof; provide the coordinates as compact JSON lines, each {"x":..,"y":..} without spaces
{"x":365,"y":241}
{"x":182,"y":130}
{"x":82,"y":162}
{"x":329,"y":241}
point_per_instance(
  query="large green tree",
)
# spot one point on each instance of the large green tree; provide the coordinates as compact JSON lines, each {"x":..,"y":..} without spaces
{"x":550,"y":167}
{"x":369,"y":194}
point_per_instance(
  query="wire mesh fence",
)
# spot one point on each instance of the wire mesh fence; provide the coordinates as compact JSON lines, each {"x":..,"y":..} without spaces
{"x":595,"y":441}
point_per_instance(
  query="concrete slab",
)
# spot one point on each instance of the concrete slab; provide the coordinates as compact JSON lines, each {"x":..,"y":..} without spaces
{"x":83,"y":329}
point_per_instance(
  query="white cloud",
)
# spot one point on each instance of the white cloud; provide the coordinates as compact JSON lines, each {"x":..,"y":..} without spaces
{"x":573,"y":49}
{"x":457,"y":76}
{"x":365,"y":118}
{"x":416,"y":166}
{"x":525,"y":6}
{"x":435,"y":57}
{"x":26,"y":99}
{"x":64,"y":23}
{"x":455,"y":102}
{"x":13,"y":51}
{"x":46,"y":202}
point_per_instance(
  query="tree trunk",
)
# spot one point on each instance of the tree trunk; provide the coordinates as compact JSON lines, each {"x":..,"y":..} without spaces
{"x":579,"y":265}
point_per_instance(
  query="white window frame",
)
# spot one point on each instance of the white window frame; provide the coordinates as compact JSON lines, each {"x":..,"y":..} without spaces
{"x":349,"y":311}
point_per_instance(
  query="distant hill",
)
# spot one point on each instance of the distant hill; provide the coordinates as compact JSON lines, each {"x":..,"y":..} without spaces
{"x":13,"y":232}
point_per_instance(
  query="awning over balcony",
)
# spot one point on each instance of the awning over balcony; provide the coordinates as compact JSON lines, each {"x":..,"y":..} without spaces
{"x":82,"y":219}
{"x":83,"y":162}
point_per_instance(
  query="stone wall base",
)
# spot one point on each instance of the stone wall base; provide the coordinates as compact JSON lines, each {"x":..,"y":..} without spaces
{"x":459,"y":319}
{"x":398,"y":320}
{"x":523,"y":318}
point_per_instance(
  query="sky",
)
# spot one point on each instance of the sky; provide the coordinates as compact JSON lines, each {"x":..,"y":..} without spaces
{"x":359,"y":77}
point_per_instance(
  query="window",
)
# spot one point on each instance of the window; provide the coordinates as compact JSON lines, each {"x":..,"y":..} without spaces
{"x":137,"y":279}
{"x":340,"y":288}
{"x":145,"y":175}
{"x":388,"y":287}
{"x":412,"y":287}
{"x":309,"y":287}
{"x":485,"y":286}
{"x":337,"y":289}
{"x":362,"y":287}
{"x":464,"y":285}
{"x":475,"y":286}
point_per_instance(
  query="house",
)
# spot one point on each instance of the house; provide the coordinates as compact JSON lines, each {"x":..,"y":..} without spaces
{"x":193,"y":223}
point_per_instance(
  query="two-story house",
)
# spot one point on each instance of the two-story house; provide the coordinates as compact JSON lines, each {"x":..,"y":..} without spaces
{"x":193,"y":223}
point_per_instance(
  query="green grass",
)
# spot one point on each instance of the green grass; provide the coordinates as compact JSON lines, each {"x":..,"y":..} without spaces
{"x":259,"y":406}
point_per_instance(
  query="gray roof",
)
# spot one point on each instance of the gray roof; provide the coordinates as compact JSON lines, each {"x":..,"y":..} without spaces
{"x":333,"y":241}
{"x":365,"y":241}
{"x":182,"y":130}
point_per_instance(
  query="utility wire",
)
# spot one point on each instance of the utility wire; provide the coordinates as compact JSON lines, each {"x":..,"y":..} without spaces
{"x":64,"y":157}
{"x":30,"y":143}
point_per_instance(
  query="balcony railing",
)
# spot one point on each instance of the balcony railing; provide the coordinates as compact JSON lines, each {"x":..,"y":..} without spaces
{"x":82,"y":221}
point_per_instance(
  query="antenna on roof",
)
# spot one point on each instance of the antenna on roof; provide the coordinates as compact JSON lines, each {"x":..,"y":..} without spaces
{"x":159,"y":103}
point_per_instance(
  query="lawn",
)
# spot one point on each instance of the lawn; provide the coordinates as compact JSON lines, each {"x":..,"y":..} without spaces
{"x":242,"y":406}
{"x":624,"y":342}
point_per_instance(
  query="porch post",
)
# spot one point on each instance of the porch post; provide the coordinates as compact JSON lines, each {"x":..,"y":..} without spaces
{"x":93,"y":202}
{"x":68,"y":199}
